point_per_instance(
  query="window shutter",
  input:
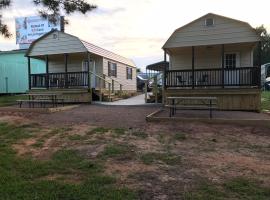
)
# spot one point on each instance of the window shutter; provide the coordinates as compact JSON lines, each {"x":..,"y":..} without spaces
{"x":127,"y":72}
{"x":131,"y":73}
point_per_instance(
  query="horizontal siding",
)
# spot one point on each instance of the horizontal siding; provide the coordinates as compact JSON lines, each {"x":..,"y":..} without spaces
{"x":210,"y":57}
{"x":128,"y":85}
{"x":64,"y":43}
{"x":224,"y":31}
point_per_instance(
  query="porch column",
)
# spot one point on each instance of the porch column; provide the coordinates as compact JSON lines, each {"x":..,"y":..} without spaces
{"x":88,"y":71}
{"x":164,"y":78}
{"x":47,"y":72}
{"x":66,"y":63}
{"x":259,"y":63}
{"x":29,"y":72}
{"x":193,"y":67}
{"x":222,"y":57}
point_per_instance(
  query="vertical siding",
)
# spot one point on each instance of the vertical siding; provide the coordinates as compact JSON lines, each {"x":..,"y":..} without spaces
{"x":14,"y":67}
{"x":128,"y":85}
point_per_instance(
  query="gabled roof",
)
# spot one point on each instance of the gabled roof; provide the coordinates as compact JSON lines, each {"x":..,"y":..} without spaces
{"x":91,"y":48}
{"x":211,"y":35}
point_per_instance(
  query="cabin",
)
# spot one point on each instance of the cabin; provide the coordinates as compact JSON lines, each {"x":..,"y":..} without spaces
{"x":14,"y":71}
{"x":213,"y":56}
{"x":79,"y":70}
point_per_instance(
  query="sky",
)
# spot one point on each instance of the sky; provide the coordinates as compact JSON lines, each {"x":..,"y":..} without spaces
{"x":137,"y":29}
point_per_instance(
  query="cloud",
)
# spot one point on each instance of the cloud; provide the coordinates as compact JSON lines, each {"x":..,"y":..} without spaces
{"x":106,"y":11}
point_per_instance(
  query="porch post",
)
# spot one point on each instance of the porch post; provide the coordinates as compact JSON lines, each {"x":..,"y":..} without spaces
{"x":66,"y":63}
{"x":29,"y":72}
{"x":47,"y":72}
{"x":222,"y":57}
{"x":260,"y":64}
{"x":164,"y":78}
{"x":88,"y":70}
{"x":193,"y":67}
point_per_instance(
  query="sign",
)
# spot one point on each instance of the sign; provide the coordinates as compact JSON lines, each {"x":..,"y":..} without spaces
{"x":29,"y":29}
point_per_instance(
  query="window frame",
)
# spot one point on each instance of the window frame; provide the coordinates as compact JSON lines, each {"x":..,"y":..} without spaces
{"x":233,"y":62}
{"x":129,"y":73}
{"x":112,"y":72}
{"x":209,"y":25}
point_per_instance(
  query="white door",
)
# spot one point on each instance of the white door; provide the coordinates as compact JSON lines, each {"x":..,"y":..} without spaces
{"x":231,"y":74}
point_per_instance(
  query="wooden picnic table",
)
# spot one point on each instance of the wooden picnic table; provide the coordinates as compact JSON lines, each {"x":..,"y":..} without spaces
{"x":205,"y":103}
{"x":36,"y":98}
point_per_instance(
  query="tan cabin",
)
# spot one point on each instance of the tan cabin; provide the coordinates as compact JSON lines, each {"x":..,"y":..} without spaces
{"x":74,"y":66}
{"x":213,"y":56}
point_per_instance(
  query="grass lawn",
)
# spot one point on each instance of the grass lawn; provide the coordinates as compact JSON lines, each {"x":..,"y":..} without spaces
{"x":7,"y":100}
{"x":117,"y":163}
{"x":266,"y":100}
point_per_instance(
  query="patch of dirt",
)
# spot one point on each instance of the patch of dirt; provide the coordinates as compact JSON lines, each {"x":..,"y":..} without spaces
{"x":67,"y":178}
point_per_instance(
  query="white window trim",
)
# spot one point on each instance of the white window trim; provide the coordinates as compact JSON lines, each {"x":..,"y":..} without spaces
{"x":238,"y":58}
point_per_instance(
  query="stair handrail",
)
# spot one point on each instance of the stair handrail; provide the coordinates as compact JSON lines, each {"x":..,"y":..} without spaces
{"x":113,"y":81}
{"x":100,"y":84}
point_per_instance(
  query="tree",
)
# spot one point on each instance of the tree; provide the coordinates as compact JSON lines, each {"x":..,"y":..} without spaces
{"x":52,"y":8}
{"x":265,"y":46}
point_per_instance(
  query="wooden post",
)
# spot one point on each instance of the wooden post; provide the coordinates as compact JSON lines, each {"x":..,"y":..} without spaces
{"x":66,"y":63}
{"x":100,"y":90}
{"x":193,"y":67}
{"x":145,"y":91}
{"x":155,"y":89}
{"x":88,"y":71}
{"x":259,"y":64}
{"x":109,"y":91}
{"x":121,"y":88}
{"x":164,"y":78}
{"x":223,"y":67}
{"x":112,"y":85}
{"x":104,"y":82}
{"x":29,"y":73}
{"x":47,"y":72}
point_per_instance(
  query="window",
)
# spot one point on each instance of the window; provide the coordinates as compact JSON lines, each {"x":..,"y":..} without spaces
{"x":230,"y":60}
{"x":112,"y":69}
{"x":129,"y":73}
{"x":85,"y":66}
{"x":209,"y":22}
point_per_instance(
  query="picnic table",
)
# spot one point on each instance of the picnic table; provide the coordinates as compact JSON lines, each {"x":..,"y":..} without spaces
{"x":42,"y":99}
{"x":198,"y":103}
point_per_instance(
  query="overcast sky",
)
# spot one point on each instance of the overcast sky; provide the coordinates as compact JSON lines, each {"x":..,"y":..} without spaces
{"x":137,"y":29}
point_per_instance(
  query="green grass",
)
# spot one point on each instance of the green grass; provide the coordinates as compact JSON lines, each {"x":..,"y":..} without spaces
{"x":118,"y":151}
{"x":265,"y":100}
{"x":25,"y":177}
{"x":180,"y":136}
{"x":7,"y":100}
{"x":98,"y":130}
{"x":140,"y":134}
{"x":77,"y":137}
{"x":119,"y":131}
{"x":237,"y":188}
{"x":167,"y":158}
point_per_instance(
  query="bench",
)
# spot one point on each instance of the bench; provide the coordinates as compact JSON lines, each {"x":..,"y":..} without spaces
{"x":194,"y":103}
{"x":32,"y":102}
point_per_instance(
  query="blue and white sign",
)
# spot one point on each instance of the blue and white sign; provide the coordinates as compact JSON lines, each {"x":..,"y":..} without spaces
{"x":29,"y":29}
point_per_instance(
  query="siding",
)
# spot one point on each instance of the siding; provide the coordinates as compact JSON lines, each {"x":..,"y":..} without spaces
{"x":224,"y":31}
{"x":14,"y":72}
{"x":210,"y":56}
{"x":64,"y":43}
{"x":128,"y":85}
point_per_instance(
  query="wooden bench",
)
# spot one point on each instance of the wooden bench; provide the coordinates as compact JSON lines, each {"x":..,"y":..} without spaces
{"x":194,"y":103}
{"x":32,"y":102}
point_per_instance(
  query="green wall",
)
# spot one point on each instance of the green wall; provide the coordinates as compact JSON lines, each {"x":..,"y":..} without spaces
{"x":14,"y":71}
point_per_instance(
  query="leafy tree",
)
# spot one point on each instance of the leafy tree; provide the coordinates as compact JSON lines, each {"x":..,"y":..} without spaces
{"x":265,"y":46}
{"x":52,"y":8}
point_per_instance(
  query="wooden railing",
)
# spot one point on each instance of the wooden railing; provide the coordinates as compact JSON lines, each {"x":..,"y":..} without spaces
{"x":216,"y":77}
{"x":114,"y":82}
{"x":59,"y":80}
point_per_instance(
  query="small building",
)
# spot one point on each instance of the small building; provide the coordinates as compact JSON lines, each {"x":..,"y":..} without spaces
{"x":213,"y":56}
{"x":76,"y":66}
{"x":14,"y":71}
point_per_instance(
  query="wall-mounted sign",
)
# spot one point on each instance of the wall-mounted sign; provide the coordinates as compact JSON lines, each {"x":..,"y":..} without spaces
{"x":29,"y":29}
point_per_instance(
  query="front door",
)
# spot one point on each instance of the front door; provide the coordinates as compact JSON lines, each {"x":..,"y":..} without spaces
{"x":92,"y":69}
{"x":231,"y":74}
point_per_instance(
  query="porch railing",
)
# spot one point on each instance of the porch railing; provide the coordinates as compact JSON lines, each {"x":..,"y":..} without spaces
{"x":59,"y":80}
{"x":216,"y":77}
